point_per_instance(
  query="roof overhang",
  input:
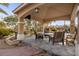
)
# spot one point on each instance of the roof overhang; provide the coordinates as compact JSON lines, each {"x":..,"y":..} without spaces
{"x":54,"y":11}
{"x":19,"y":7}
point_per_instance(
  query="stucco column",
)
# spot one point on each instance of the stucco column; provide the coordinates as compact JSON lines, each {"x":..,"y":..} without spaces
{"x":72,"y":25}
{"x":20,"y":35}
{"x":77,"y":40}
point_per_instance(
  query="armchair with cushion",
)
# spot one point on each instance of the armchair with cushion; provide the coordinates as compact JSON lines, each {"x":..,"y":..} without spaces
{"x":58,"y":37}
{"x":70,"y":39}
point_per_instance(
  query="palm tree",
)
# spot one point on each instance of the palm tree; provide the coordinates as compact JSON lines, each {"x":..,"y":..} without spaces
{"x":1,"y":10}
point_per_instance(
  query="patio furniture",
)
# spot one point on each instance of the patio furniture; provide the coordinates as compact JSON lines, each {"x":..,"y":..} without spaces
{"x":48,"y":34}
{"x":58,"y":37}
{"x":70,"y":39}
{"x":38,"y":35}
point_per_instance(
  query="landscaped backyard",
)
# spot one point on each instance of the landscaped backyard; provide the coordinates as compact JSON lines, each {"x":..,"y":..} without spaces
{"x":39,"y":30}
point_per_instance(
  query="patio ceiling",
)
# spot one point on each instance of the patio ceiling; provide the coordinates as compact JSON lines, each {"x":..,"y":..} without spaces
{"x":48,"y":12}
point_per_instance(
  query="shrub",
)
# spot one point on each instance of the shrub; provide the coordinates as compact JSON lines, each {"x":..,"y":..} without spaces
{"x":5,"y":32}
{"x":54,"y":30}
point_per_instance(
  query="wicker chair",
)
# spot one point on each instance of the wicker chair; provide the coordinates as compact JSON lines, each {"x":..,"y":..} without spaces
{"x":70,"y":39}
{"x":58,"y":37}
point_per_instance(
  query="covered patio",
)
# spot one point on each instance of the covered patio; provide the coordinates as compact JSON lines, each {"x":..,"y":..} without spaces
{"x":44,"y":13}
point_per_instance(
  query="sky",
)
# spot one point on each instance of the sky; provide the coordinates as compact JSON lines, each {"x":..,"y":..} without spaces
{"x":12,"y":6}
{"x":60,"y":23}
{"x":9,"y":9}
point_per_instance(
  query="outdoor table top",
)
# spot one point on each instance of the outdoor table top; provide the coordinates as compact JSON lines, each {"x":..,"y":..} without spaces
{"x":50,"y":34}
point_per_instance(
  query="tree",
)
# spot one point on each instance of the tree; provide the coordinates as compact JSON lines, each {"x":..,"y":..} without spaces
{"x":2,"y":24}
{"x":67,"y":28}
{"x":1,"y":10}
{"x":10,"y":20}
{"x":32,"y":25}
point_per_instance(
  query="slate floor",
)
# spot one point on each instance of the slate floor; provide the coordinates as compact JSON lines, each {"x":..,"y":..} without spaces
{"x":57,"y":49}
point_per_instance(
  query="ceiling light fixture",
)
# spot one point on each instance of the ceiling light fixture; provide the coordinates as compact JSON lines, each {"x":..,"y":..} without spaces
{"x":36,"y":10}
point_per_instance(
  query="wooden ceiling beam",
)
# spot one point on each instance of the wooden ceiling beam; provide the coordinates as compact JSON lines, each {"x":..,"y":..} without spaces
{"x":65,"y":17}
